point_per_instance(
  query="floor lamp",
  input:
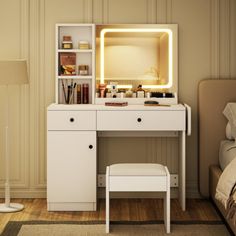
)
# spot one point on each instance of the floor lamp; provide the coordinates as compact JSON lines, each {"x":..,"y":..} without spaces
{"x":11,"y":73}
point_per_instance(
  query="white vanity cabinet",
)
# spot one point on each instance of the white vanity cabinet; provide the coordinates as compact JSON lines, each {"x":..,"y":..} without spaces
{"x":72,"y":127}
{"x":71,"y":162}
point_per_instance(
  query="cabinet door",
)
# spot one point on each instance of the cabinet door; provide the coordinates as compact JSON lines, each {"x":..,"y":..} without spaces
{"x":71,"y":166}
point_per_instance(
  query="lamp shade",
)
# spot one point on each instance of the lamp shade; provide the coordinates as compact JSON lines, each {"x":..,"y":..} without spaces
{"x":13,"y":72}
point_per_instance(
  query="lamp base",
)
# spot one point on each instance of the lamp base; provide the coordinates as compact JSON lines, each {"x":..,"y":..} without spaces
{"x":12,"y":208}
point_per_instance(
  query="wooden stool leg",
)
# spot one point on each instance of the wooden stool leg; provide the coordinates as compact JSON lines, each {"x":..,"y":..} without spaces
{"x":167,"y":212}
{"x":107,"y":201}
{"x":165,"y":209}
{"x":167,"y":203}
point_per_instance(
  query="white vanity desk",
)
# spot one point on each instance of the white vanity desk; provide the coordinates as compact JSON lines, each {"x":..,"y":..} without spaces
{"x":72,"y":134}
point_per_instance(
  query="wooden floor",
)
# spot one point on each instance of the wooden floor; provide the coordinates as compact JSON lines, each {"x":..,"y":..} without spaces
{"x":121,"y":210}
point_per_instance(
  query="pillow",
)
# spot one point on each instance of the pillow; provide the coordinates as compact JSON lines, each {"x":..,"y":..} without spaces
{"x":230,"y":114}
{"x":227,"y":153}
{"x":226,"y":183}
{"x":228,"y":132}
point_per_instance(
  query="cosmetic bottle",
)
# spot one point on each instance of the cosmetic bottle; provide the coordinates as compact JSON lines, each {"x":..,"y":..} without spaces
{"x":140,"y":92}
{"x":83,"y":70}
{"x":67,"y":42}
{"x":102,"y":88}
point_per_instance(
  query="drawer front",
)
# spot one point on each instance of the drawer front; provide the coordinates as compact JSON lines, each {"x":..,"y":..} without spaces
{"x":71,"y":120}
{"x":141,"y":120}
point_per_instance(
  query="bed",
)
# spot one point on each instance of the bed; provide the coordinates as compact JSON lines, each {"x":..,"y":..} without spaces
{"x":213,"y":95}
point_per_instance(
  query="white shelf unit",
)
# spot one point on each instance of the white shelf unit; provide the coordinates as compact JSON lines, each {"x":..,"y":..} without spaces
{"x":78,"y":32}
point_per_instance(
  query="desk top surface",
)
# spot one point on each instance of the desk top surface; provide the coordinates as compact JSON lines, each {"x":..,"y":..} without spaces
{"x":94,"y":107}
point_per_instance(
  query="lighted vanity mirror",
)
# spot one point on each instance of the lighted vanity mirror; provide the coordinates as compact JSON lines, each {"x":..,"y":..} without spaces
{"x":132,"y":55}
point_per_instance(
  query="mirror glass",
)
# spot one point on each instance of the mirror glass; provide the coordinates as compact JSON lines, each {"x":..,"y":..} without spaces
{"x":135,"y":54}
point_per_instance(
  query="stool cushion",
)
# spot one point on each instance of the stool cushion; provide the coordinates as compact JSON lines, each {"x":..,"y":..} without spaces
{"x":139,"y":169}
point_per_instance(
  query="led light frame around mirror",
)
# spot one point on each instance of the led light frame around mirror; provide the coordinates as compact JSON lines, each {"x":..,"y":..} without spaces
{"x":172,"y":48}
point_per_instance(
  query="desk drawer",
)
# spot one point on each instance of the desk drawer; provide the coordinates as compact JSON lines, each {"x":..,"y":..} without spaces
{"x":141,"y":120}
{"x":71,"y":120}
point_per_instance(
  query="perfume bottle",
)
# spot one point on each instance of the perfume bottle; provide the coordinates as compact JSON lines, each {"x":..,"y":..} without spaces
{"x":140,"y":92}
{"x":102,"y":88}
{"x":67,"y":42}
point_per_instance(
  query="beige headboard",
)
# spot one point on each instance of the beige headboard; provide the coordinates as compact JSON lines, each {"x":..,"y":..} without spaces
{"x":213,"y":95}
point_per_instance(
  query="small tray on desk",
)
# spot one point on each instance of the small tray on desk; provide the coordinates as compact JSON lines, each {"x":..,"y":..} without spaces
{"x":154,"y":103}
{"x":116,"y":104}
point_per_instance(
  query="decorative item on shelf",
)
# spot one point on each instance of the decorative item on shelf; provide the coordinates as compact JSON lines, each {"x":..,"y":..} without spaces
{"x":114,"y":89}
{"x":68,"y":91}
{"x":78,"y":93}
{"x":83,"y":69}
{"x":162,"y":95}
{"x":102,"y":88}
{"x":140,"y":92}
{"x":169,"y":95}
{"x":129,"y":93}
{"x":67,"y":42}
{"x":148,"y":94}
{"x":97,"y":93}
{"x":85,"y":91}
{"x":121,"y":93}
{"x":67,"y":63}
{"x":157,"y":95}
{"x":83,"y":45}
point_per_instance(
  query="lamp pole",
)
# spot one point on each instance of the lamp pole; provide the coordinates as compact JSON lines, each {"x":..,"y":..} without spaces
{"x":7,"y":185}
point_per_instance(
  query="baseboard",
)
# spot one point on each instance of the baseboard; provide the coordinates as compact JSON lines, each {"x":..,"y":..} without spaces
{"x":26,"y":193}
{"x":191,"y":192}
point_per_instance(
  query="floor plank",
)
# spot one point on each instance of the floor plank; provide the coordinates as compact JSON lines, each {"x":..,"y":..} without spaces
{"x":121,"y":210}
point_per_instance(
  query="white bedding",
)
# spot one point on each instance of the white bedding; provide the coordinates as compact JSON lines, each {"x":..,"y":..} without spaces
{"x":226,"y":187}
{"x":230,"y":114}
{"x":227,"y":153}
{"x":226,"y":183}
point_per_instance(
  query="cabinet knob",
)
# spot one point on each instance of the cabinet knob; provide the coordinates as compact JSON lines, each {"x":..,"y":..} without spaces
{"x":90,"y":146}
{"x":72,"y":119}
{"x":139,"y":119}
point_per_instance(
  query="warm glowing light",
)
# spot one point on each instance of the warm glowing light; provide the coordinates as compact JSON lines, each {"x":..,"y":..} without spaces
{"x":136,"y":30}
{"x":125,"y":86}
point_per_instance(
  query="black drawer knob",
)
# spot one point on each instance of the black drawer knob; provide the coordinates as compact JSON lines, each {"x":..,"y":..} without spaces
{"x":90,"y":146}
{"x":139,"y":119}
{"x":72,"y":119}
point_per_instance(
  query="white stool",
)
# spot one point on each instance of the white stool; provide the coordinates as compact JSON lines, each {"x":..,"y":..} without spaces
{"x":138,"y":178}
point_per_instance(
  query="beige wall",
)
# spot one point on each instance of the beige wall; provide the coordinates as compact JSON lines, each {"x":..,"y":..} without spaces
{"x":207,"y":49}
